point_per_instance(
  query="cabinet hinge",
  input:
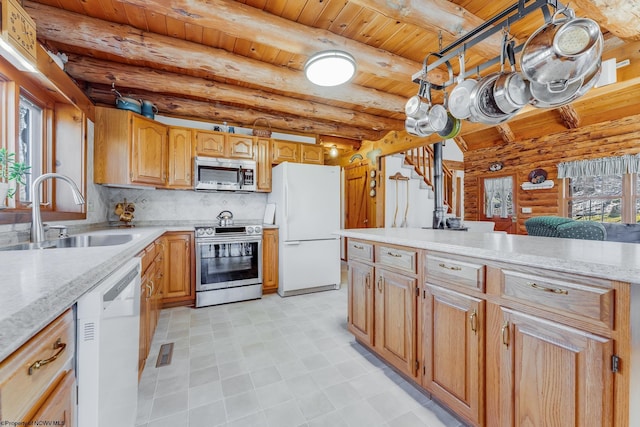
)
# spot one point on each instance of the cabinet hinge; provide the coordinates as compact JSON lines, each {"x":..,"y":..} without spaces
{"x":417,"y":365}
{"x":417,"y":292}
{"x":615,"y":363}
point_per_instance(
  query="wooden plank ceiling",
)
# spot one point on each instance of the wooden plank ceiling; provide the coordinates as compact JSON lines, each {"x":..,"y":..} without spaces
{"x":237,"y":61}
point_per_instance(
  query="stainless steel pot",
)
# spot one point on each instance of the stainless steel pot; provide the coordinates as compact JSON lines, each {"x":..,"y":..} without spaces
{"x":511,"y":91}
{"x":562,"y":51}
{"x":483,"y":105}
{"x":543,"y":98}
{"x":460,"y":95}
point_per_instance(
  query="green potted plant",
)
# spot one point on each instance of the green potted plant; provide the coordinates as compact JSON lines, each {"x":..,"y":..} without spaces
{"x":10,"y":170}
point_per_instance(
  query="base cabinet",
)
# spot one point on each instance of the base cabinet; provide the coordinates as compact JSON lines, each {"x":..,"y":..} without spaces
{"x":383,"y":295}
{"x":453,"y":346}
{"x":269,"y":260}
{"x":30,"y":393}
{"x":550,"y":374}
{"x":179,"y":269}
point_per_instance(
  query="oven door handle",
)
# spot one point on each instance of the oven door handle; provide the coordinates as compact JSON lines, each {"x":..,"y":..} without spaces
{"x":225,"y":241}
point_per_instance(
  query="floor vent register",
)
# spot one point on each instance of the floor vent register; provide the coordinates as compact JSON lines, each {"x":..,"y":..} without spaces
{"x":164,"y":356}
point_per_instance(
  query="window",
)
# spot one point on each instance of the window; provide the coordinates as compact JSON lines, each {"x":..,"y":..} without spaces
{"x":47,"y":132}
{"x":30,"y":143}
{"x":603,"y":190}
{"x":498,"y":194}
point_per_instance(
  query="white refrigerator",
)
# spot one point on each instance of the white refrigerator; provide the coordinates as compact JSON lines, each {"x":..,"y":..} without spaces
{"x":307,"y":200}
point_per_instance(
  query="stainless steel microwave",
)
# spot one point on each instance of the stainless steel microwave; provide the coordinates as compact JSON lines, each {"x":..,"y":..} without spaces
{"x":218,"y":174}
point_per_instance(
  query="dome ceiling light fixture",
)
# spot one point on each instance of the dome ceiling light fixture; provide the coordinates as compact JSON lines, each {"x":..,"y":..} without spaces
{"x":330,"y":68}
{"x":333,"y":151}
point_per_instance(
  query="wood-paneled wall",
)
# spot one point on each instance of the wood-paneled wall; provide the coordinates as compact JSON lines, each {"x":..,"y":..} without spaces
{"x":607,"y":139}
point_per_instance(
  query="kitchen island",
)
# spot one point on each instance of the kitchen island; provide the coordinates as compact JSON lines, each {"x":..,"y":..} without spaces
{"x":503,"y":329}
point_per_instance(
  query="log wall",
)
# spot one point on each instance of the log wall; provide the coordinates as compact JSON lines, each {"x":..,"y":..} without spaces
{"x":607,"y":139}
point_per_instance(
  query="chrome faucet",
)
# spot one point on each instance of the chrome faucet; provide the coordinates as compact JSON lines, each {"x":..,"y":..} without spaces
{"x":37,"y":230}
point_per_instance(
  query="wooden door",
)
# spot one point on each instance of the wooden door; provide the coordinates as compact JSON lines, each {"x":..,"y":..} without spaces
{"x":453,"y":331}
{"x":58,"y":407}
{"x":180,"y":158}
{"x":269,"y":260}
{"x":313,"y":154}
{"x":178,"y":280}
{"x":497,"y":197}
{"x":240,"y":146}
{"x":148,"y":151}
{"x":552,"y":375}
{"x":263,"y":160}
{"x":361,"y":295}
{"x":395,"y":319}
{"x":210,"y":143}
{"x":357,"y":197}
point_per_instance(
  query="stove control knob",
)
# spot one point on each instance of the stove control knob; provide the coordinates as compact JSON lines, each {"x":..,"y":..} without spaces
{"x":249,"y":230}
{"x":258,"y":229}
{"x":209,"y":231}
{"x":199,"y":232}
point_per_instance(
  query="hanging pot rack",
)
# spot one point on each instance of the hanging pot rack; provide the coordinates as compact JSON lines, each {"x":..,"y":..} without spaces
{"x":500,"y":22}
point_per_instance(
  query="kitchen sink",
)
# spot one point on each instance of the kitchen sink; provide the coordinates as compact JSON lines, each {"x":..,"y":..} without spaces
{"x":80,"y":241}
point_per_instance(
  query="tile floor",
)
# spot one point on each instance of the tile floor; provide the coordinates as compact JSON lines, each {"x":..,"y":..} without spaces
{"x":275,"y":362}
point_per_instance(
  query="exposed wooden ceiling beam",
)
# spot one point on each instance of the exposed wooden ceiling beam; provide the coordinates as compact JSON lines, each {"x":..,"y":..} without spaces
{"x":569,"y":117}
{"x":218,"y":113}
{"x":462,"y":144}
{"x":506,"y":133}
{"x":127,"y":42}
{"x":129,"y":76}
{"x":620,"y":17}
{"x":249,"y":23}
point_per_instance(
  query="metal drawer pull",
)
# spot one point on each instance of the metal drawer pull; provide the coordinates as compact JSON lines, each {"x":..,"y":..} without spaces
{"x":473,"y":319}
{"x":552,"y":290}
{"x":358,"y":247}
{"x":505,"y":334}
{"x":380,"y":283}
{"x":394,"y":255}
{"x":443,"y":265}
{"x":40,"y":363}
{"x":366,"y":281}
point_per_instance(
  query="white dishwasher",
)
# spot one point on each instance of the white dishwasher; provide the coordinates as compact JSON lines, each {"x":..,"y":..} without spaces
{"x":107,"y":360}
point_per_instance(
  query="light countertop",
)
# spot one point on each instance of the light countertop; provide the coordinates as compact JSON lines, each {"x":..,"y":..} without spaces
{"x":36,"y":286}
{"x":606,"y":260}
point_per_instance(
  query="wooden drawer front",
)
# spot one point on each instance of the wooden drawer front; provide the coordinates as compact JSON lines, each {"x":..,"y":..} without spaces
{"x":561,"y":296}
{"x":452,"y":271}
{"x":19,"y":390}
{"x":360,"y":250}
{"x":398,"y":258}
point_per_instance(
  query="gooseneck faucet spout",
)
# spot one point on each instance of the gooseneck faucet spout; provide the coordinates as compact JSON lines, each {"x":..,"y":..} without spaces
{"x":37,"y":230}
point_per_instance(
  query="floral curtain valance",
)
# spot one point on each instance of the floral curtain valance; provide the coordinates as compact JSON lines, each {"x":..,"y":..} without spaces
{"x":629,"y":163}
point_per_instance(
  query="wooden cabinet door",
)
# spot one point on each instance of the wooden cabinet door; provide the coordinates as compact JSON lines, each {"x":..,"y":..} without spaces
{"x":395,"y":319}
{"x":312,"y":154}
{"x":283,"y":151}
{"x":453,"y":348}
{"x":58,"y":407}
{"x":180,"y":158}
{"x":148,"y":151}
{"x":210,"y":143}
{"x":552,"y":375}
{"x":240,"y":146}
{"x":269,"y":260}
{"x":263,"y":159}
{"x":361,"y":302}
{"x":178,"y":268}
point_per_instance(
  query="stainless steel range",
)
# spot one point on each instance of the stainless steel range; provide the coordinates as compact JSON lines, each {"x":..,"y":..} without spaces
{"x":228,"y":263}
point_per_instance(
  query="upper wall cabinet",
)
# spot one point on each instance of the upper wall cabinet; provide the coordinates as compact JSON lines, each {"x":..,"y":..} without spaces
{"x":221,"y":144}
{"x":129,"y":149}
{"x":133,"y":150}
{"x":287,"y":151}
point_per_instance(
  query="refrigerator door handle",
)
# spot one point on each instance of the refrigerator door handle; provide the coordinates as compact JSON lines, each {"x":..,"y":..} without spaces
{"x":291,"y":242}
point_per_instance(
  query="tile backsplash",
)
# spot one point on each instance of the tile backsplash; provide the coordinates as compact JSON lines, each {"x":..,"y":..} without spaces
{"x":176,"y":205}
